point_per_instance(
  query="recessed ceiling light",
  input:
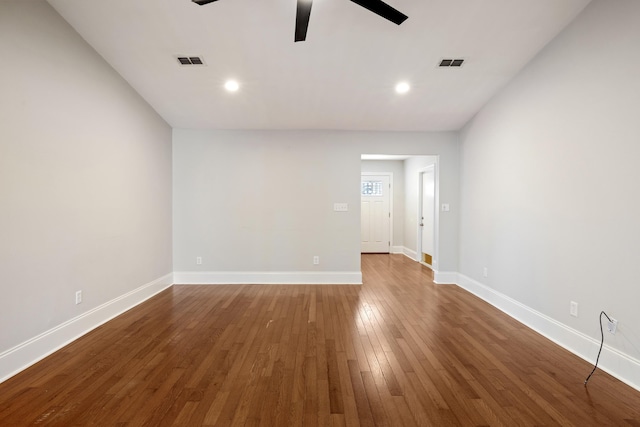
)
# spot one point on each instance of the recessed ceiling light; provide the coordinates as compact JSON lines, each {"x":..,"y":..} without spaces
{"x":231,"y":85}
{"x":402,"y":87}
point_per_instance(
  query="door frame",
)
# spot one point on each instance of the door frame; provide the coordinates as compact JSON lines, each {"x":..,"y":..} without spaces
{"x":436,"y":215}
{"x":390,"y":175}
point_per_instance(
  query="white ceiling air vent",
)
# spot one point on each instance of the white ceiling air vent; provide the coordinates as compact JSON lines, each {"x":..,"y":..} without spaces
{"x":451,"y":63}
{"x":189,"y":60}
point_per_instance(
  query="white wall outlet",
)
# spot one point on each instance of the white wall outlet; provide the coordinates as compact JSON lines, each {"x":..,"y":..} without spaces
{"x":78,"y":297}
{"x":198,"y":260}
{"x":485,"y":272}
{"x":316,"y":260}
{"x":612,"y":326}
{"x":445,"y":207}
{"x":573,"y":309}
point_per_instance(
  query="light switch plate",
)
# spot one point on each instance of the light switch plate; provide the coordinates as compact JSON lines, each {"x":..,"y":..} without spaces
{"x":341,"y":207}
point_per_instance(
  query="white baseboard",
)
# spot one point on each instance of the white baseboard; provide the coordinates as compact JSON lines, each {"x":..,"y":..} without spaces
{"x":23,"y":355}
{"x":445,"y":277}
{"x":410,"y":253}
{"x":396,"y":249}
{"x":267,"y":278}
{"x":619,"y":365}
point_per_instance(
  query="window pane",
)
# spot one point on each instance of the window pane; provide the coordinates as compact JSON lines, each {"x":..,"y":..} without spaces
{"x":372,"y":188}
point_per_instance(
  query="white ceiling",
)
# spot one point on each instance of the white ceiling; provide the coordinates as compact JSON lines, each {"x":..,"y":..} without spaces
{"x":341,"y":77}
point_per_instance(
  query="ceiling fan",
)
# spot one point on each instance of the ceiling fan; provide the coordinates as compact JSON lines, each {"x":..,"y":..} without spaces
{"x":303,"y":11}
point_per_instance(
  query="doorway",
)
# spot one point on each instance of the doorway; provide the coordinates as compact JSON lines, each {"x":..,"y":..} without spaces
{"x":427,"y":216}
{"x":406,"y":202}
{"x":375,"y":211}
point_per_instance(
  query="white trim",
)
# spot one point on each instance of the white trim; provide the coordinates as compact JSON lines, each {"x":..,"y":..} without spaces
{"x":267,"y":277}
{"x":618,"y":364}
{"x":23,"y":355}
{"x":390,"y":175}
{"x":385,"y":156}
{"x":445,"y":277}
{"x":410,"y":253}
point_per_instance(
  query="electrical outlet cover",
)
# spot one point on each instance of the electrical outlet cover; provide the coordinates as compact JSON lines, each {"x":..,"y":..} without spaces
{"x":613,"y":326}
{"x":573,"y":309}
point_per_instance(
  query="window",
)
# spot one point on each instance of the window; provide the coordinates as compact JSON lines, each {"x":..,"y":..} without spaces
{"x":371,"y":188}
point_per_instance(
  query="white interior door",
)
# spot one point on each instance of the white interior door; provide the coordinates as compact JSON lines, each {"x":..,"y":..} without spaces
{"x":375,"y":222}
{"x":427,"y":220}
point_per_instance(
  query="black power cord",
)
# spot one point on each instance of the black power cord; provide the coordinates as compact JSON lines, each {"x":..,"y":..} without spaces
{"x":601,"y":344}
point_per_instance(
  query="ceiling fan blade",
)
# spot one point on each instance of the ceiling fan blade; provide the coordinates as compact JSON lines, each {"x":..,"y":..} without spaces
{"x":203,"y":2}
{"x":381,"y":8}
{"x":303,"y":11}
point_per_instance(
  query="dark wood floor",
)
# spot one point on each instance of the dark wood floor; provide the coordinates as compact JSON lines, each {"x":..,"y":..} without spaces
{"x":397,"y":351}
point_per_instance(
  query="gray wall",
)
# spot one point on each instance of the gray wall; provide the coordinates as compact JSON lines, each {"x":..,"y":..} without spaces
{"x":263,"y":200}
{"x":85,"y":177}
{"x":550,"y":178}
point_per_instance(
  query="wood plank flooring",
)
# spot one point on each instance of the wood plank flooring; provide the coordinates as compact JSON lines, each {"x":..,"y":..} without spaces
{"x":397,"y":351}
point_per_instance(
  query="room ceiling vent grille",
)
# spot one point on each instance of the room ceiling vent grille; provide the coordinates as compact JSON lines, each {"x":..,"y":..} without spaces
{"x":190,"y":60}
{"x":451,"y":63}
